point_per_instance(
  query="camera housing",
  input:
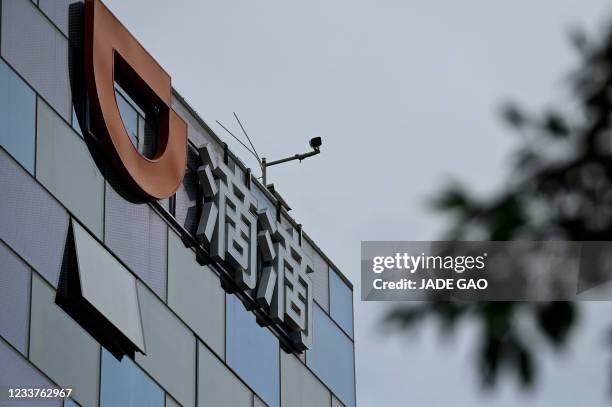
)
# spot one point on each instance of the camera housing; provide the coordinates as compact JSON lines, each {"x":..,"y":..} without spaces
{"x":316,"y":142}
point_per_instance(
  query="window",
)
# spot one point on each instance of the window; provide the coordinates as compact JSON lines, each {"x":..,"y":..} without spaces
{"x":129,"y":114}
{"x":17,"y":117}
{"x":252,"y":351}
{"x":262,"y":200}
{"x":123,"y":384}
{"x":140,"y":124}
{"x":100,"y":294}
{"x":341,"y":302}
{"x":331,"y":357}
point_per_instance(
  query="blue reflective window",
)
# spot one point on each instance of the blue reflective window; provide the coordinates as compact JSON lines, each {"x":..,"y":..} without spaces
{"x":341,"y":302}
{"x":331,"y":357}
{"x":70,"y":403}
{"x":262,"y":201}
{"x":129,"y":115}
{"x":124,"y":384}
{"x":252,"y":351}
{"x":17,"y":117}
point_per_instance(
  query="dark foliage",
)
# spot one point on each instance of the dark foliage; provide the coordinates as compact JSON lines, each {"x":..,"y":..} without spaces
{"x":561,"y":188}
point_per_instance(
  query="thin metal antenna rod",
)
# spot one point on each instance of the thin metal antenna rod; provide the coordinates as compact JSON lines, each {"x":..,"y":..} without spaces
{"x":247,"y":136}
{"x":238,"y":140}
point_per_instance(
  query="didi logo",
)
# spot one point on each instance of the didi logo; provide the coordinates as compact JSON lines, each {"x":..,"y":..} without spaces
{"x":113,"y":56}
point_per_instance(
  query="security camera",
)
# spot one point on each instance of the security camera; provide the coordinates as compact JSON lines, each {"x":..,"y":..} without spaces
{"x":316,"y":142}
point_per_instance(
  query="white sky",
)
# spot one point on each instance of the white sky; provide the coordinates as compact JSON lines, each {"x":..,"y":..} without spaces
{"x":404,"y":94}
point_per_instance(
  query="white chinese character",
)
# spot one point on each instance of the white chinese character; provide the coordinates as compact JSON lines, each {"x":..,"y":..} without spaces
{"x":285,"y":266}
{"x":228,"y":224}
{"x":235,"y":232}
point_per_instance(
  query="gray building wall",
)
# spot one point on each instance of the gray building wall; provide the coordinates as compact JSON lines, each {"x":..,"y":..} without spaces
{"x":201,"y":344}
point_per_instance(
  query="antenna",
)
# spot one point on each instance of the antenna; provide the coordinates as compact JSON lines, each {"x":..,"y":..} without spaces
{"x":240,"y":141}
{"x":248,"y":138}
{"x":315,"y":144}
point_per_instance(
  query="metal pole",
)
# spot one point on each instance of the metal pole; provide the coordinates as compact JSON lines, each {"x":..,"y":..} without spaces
{"x":263,"y":171}
{"x":265,"y":164}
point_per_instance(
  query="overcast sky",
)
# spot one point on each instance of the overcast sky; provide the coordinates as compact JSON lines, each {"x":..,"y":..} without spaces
{"x":404,"y":94}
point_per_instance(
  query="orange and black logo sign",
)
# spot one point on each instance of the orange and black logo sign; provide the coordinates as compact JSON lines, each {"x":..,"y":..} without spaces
{"x":112,"y":53}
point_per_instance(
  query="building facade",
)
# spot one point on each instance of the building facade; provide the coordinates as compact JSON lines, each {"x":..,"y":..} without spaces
{"x":211,"y":296}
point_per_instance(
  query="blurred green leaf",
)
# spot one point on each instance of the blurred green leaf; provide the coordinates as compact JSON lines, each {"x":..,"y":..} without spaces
{"x":512,"y":116}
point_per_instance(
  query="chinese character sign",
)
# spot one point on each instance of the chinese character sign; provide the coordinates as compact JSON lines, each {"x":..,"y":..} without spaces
{"x":284,"y":287}
{"x":229,"y":218}
{"x":266,"y":259}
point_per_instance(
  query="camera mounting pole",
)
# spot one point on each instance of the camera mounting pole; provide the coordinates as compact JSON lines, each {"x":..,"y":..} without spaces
{"x":315,"y":143}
